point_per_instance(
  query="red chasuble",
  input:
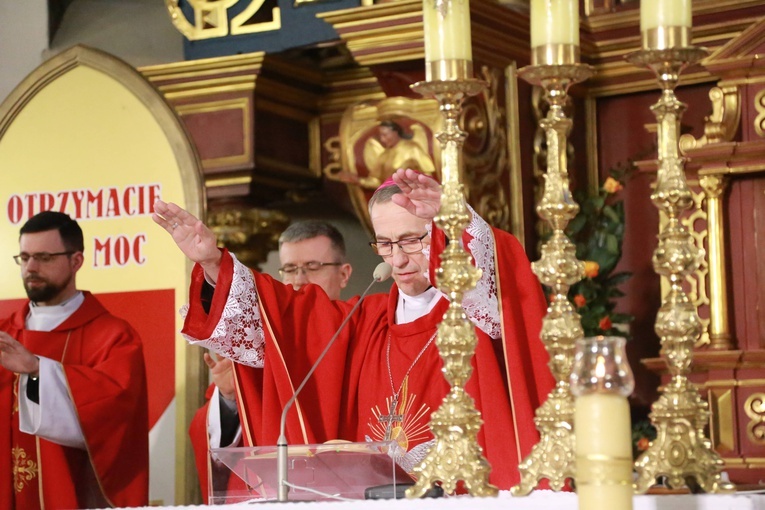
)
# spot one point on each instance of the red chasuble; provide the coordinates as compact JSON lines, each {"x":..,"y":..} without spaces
{"x":349,"y":396}
{"x":104,"y":367}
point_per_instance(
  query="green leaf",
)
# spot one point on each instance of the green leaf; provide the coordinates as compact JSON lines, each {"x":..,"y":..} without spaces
{"x":610,"y":213}
{"x":618,"y":278}
{"x":576,"y":225}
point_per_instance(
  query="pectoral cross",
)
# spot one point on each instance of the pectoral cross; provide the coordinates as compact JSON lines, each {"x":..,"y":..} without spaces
{"x":389,"y":418}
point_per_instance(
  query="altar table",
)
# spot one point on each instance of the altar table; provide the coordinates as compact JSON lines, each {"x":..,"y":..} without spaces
{"x":538,"y":500}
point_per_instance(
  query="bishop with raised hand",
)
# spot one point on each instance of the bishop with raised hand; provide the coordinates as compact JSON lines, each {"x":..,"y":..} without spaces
{"x":382,"y":378}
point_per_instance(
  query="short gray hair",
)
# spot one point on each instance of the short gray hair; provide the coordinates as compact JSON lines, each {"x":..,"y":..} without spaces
{"x":309,"y":229}
{"x":383,"y":195}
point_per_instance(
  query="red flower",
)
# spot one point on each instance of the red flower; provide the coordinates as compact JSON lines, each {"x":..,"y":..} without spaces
{"x":605,"y":323}
{"x":643,"y":444}
{"x":579,"y":301}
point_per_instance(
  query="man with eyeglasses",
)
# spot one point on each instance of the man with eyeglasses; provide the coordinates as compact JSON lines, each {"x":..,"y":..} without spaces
{"x":310,"y":252}
{"x":72,"y":386}
{"x":382,"y":378}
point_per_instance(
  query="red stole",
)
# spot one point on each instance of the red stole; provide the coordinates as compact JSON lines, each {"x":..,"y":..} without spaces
{"x":200,"y":442}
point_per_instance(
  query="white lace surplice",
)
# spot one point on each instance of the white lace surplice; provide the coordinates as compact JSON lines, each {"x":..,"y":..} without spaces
{"x":481,"y":304}
{"x":239,"y":332}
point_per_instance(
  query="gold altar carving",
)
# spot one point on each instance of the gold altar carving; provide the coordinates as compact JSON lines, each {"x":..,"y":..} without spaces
{"x":698,"y":280}
{"x":718,"y":328}
{"x":210,"y":18}
{"x":754,"y":407}
{"x":378,"y":138}
{"x":333,"y":149}
{"x":759,"y":107}
{"x":722,"y":124}
{"x":553,"y":457}
{"x":241,"y":105}
{"x":722,"y":428}
{"x":681,"y":451}
{"x":456,"y":455}
{"x":249,"y":233}
{"x":486,"y":152}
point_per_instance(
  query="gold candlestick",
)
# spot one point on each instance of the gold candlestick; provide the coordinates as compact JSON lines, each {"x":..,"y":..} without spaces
{"x":456,"y":454}
{"x":558,"y":268}
{"x":681,"y":451}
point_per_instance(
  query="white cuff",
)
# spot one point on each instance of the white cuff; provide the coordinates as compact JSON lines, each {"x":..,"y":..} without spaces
{"x":55,"y":417}
{"x":214,"y":427}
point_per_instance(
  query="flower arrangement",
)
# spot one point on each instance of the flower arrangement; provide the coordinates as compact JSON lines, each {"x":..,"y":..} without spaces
{"x":642,"y":435}
{"x":598,"y":232}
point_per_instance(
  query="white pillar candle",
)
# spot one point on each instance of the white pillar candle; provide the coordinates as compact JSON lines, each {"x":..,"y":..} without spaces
{"x":664,"y":13}
{"x":554,"y":22}
{"x":603,"y":451}
{"x":447,"y":30}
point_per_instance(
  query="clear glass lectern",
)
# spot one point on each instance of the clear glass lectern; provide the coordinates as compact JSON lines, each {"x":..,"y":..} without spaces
{"x":315,"y":472}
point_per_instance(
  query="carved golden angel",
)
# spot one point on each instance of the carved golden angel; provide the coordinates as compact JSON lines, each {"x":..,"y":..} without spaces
{"x":394,"y":148}
{"x":377,"y":138}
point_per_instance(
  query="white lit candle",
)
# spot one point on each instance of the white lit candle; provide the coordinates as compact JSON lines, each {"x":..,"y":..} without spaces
{"x":554,"y":22}
{"x":664,"y":14}
{"x":447,"y":30}
{"x":603,"y":451}
{"x":665,"y":24}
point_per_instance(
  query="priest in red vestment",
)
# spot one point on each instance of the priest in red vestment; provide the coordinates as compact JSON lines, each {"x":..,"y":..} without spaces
{"x":74,"y":427}
{"x":309,"y":252}
{"x":382,"y":378}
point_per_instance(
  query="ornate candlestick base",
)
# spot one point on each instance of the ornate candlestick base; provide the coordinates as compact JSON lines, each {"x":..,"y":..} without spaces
{"x":553,"y":457}
{"x":681,"y":452}
{"x":456,"y":456}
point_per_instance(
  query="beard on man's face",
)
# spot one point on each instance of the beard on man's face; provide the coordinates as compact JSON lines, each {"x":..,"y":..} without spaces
{"x":42,"y":293}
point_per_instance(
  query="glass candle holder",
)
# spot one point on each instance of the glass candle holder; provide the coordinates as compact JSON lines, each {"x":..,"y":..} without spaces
{"x":601,"y":380}
{"x":600,"y":365}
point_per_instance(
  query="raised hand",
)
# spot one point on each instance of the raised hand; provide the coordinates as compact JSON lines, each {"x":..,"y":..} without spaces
{"x":15,"y":357}
{"x":222,"y":372}
{"x":421,"y":194}
{"x":195,"y":240}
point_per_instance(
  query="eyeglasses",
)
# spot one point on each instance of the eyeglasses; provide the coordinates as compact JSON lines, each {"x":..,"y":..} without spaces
{"x":42,"y":257}
{"x":308,"y":267}
{"x":408,"y":245}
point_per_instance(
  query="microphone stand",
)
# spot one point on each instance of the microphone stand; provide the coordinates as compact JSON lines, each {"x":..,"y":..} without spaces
{"x":382,"y":272}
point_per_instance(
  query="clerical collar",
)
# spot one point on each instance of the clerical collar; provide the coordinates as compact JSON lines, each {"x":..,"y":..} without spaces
{"x":411,"y":308}
{"x":47,"y":318}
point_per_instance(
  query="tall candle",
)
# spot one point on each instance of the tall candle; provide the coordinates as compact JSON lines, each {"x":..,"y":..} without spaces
{"x":447,"y":30}
{"x":664,"y":13}
{"x":554,"y":22}
{"x":603,"y":451}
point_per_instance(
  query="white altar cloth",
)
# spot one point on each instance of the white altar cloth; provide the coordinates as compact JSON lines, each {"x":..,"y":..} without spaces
{"x":538,"y":500}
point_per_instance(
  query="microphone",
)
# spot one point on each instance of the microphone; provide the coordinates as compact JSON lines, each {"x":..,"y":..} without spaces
{"x":381,"y":273}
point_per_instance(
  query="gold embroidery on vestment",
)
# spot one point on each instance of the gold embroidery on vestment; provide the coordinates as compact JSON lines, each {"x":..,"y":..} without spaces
{"x":413,"y":425}
{"x":24,"y":469}
{"x":15,"y":394}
